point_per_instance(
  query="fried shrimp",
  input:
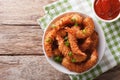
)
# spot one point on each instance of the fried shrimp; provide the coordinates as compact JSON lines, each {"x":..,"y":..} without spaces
{"x":68,"y":19}
{"x":77,"y":56}
{"x":62,"y":47}
{"x":86,"y":44}
{"x":62,"y":33}
{"x":95,"y":40}
{"x":49,"y":38}
{"x":75,"y":49}
{"x":57,"y":52}
{"x":83,"y":33}
{"x":72,"y":41}
{"x":82,"y":66}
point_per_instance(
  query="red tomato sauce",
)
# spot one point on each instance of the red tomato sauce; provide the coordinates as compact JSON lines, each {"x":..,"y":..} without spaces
{"x":107,"y":9}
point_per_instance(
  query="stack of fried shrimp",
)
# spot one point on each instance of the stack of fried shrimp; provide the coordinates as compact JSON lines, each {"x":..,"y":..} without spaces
{"x":74,"y":39}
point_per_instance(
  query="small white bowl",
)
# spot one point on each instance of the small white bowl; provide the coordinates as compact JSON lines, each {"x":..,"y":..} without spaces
{"x":104,"y":20}
{"x":101,"y":46}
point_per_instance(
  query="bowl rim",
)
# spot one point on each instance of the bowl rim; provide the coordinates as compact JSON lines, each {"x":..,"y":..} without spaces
{"x":108,"y":21}
{"x":71,"y":72}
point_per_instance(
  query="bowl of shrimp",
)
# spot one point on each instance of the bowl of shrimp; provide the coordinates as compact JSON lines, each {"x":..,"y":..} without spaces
{"x":73,"y":43}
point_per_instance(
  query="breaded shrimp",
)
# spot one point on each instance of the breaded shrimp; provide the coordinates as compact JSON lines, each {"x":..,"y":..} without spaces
{"x":49,"y":38}
{"x":82,"y":66}
{"x":66,"y":50}
{"x":84,"y":33}
{"x":68,"y":19}
{"x":86,"y":44}
{"x":61,"y":32}
{"x":57,"y":26}
{"x":57,"y":52}
{"x":61,"y":46}
{"x":75,"y":48}
{"x":95,"y":40}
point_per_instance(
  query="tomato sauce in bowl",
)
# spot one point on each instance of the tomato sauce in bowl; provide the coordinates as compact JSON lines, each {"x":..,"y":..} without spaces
{"x":107,"y":9}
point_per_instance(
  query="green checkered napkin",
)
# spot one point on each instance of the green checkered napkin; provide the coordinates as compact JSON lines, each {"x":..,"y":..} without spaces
{"x":111,"y":31}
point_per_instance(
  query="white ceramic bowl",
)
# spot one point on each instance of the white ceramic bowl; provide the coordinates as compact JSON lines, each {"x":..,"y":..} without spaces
{"x":101,"y":46}
{"x":112,"y":20}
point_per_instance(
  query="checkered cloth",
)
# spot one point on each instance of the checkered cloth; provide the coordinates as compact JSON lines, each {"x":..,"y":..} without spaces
{"x":111,"y":32}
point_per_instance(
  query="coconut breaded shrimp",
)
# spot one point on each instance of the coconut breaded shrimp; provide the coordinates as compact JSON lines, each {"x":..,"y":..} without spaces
{"x":95,"y":40}
{"x":61,"y":46}
{"x":86,"y":44}
{"x":49,"y":38}
{"x":61,"y":32}
{"x":72,"y":30}
{"x":57,"y":52}
{"x":90,"y":42}
{"x":88,"y":28}
{"x":83,"y":33}
{"x":75,"y":48}
{"x":66,"y":50}
{"x":82,"y":66}
{"x":73,"y":44}
{"x":75,"y":28}
{"x":48,"y":49}
{"x":75,"y":18}
{"x":68,"y":19}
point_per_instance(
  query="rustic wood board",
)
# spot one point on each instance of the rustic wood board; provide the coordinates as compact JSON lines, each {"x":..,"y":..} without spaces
{"x":28,"y":68}
{"x":22,"y":12}
{"x":37,"y":68}
{"x":20,"y":40}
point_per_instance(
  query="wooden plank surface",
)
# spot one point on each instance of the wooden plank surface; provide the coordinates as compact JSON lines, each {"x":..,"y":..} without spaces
{"x":37,"y":68}
{"x":21,"y":12}
{"x":28,"y":68}
{"x":20,"y":40}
